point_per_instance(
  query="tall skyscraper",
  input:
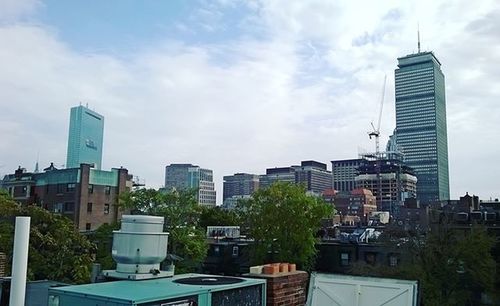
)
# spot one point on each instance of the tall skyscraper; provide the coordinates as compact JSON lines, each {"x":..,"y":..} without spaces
{"x":421,"y":132}
{"x":186,"y":176}
{"x":86,"y":129}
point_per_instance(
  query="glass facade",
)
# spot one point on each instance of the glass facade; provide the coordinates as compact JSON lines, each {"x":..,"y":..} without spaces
{"x":86,"y":129}
{"x":421,"y":132}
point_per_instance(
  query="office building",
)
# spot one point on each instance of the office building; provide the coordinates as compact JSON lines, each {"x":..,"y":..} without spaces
{"x":238,"y":186}
{"x":188,"y":176}
{"x":85,"y":138}
{"x":314,"y":176}
{"x":344,"y":172}
{"x":421,"y":132}
{"x":87,"y":196}
{"x":278,"y":174}
{"x":311,"y":174}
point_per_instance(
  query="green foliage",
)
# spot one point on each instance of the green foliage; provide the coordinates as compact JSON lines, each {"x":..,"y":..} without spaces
{"x":182,"y":215}
{"x":283,"y":221}
{"x":103,"y":239}
{"x":57,"y":251}
{"x":213,"y":216}
{"x":451,"y":266}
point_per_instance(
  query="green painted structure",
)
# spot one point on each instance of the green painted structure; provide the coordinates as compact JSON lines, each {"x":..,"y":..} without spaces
{"x":163,"y":291}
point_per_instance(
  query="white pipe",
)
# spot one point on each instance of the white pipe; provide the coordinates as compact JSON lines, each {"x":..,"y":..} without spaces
{"x":20,"y":261}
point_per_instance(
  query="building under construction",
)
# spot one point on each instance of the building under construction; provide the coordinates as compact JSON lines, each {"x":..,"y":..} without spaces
{"x":388,"y":177}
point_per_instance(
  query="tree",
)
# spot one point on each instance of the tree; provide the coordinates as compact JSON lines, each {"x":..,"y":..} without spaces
{"x":452,"y":267}
{"x":182,"y":215}
{"x":283,"y":221}
{"x":103,"y":239}
{"x":57,"y":251}
{"x":214,"y":216}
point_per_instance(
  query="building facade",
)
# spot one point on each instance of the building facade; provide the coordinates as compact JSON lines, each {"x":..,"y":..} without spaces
{"x":85,"y":195}
{"x":344,"y":172}
{"x":390,"y":180}
{"x":85,"y":138}
{"x":312,"y":174}
{"x":421,"y":132}
{"x":188,"y":176}
{"x":238,"y":186}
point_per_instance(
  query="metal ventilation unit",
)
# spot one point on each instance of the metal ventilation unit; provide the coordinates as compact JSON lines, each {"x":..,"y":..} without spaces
{"x":180,"y":290}
{"x":138,"y":248}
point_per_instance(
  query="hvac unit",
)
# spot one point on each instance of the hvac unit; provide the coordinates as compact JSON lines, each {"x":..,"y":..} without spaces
{"x":138,"y":249}
{"x":180,"y":290}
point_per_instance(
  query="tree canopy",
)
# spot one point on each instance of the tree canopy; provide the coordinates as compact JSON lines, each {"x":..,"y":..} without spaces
{"x":283,"y":221}
{"x":57,"y":251}
{"x":182,"y":215}
{"x":216,"y":216}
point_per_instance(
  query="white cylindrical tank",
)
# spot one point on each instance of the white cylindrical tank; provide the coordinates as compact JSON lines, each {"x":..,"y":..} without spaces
{"x":140,"y":245}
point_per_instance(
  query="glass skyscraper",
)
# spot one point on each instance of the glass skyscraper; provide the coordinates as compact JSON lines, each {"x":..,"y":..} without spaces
{"x":86,"y":129}
{"x":421,"y":133}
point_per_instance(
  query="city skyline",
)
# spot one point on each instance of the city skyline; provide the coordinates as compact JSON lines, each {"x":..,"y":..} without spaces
{"x":240,"y":87}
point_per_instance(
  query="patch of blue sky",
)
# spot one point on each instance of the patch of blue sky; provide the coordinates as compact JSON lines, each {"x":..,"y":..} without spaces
{"x":124,"y":27}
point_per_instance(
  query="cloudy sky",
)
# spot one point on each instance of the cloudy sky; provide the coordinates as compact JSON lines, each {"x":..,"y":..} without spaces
{"x":241,"y":86}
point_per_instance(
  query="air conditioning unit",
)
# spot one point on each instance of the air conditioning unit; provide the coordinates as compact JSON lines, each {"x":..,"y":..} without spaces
{"x":180,"y":290}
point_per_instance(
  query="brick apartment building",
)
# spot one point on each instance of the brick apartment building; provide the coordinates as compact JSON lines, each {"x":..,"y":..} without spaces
{"x":87,"y":196}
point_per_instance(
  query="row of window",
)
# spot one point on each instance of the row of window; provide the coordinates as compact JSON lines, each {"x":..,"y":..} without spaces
{"x":370,"y":258}
{"x":70,"y":187}
{"x":90,"y":208}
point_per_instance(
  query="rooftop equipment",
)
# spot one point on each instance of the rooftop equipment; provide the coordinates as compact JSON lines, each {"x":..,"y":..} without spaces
{"x":138,"y":248}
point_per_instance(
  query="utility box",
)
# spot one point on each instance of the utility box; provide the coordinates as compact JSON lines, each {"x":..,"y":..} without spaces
{"x":179,"y":290}
{"x":347,"y":290}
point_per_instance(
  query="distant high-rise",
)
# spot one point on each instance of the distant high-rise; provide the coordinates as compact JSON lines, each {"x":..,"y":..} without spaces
{"x":344,"y":172}
{"x":421,"y":133}
{"x":312,"y":174}
{"x":240,"y":184}
{"x":186,"y":176}
{"x":86,"y":129}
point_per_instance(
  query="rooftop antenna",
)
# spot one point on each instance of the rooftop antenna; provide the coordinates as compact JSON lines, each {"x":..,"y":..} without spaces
{"x":418,"y":35}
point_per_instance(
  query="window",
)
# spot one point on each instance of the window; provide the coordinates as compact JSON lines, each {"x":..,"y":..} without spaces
{"x":88,"y":226}
{"x":70,"y":187}
{"x":235,"y":251}
{"x":107,"y":190}
{"x":89,"y":207}
{"x":91,"y":188}
{"x":106,"y":209}
{"x":344,"y":259}
{"x":370,"y":258}
{"x":58,"y":207}
{"x":60,"y":188}
{"x":69,"y":206}
{"x":393,"y":260}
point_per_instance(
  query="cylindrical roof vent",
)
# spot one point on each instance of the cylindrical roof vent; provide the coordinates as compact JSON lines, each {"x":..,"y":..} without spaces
{"x":140,"y":245}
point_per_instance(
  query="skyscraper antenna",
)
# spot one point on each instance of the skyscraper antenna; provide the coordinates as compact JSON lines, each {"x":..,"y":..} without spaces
{"x":418,"y":36}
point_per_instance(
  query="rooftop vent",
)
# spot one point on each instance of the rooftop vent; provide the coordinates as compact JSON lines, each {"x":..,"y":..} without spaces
{"x":138,"y":248}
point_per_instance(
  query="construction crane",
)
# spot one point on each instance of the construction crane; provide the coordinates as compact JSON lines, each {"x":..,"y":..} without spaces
{"x":376,"y":131}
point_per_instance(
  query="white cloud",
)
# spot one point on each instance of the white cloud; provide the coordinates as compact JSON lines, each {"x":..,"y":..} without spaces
{"x":11,"y":10}
{"x":307,"y":91}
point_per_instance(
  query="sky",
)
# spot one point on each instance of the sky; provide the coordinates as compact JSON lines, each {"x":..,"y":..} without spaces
{"x":241,"y":86}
